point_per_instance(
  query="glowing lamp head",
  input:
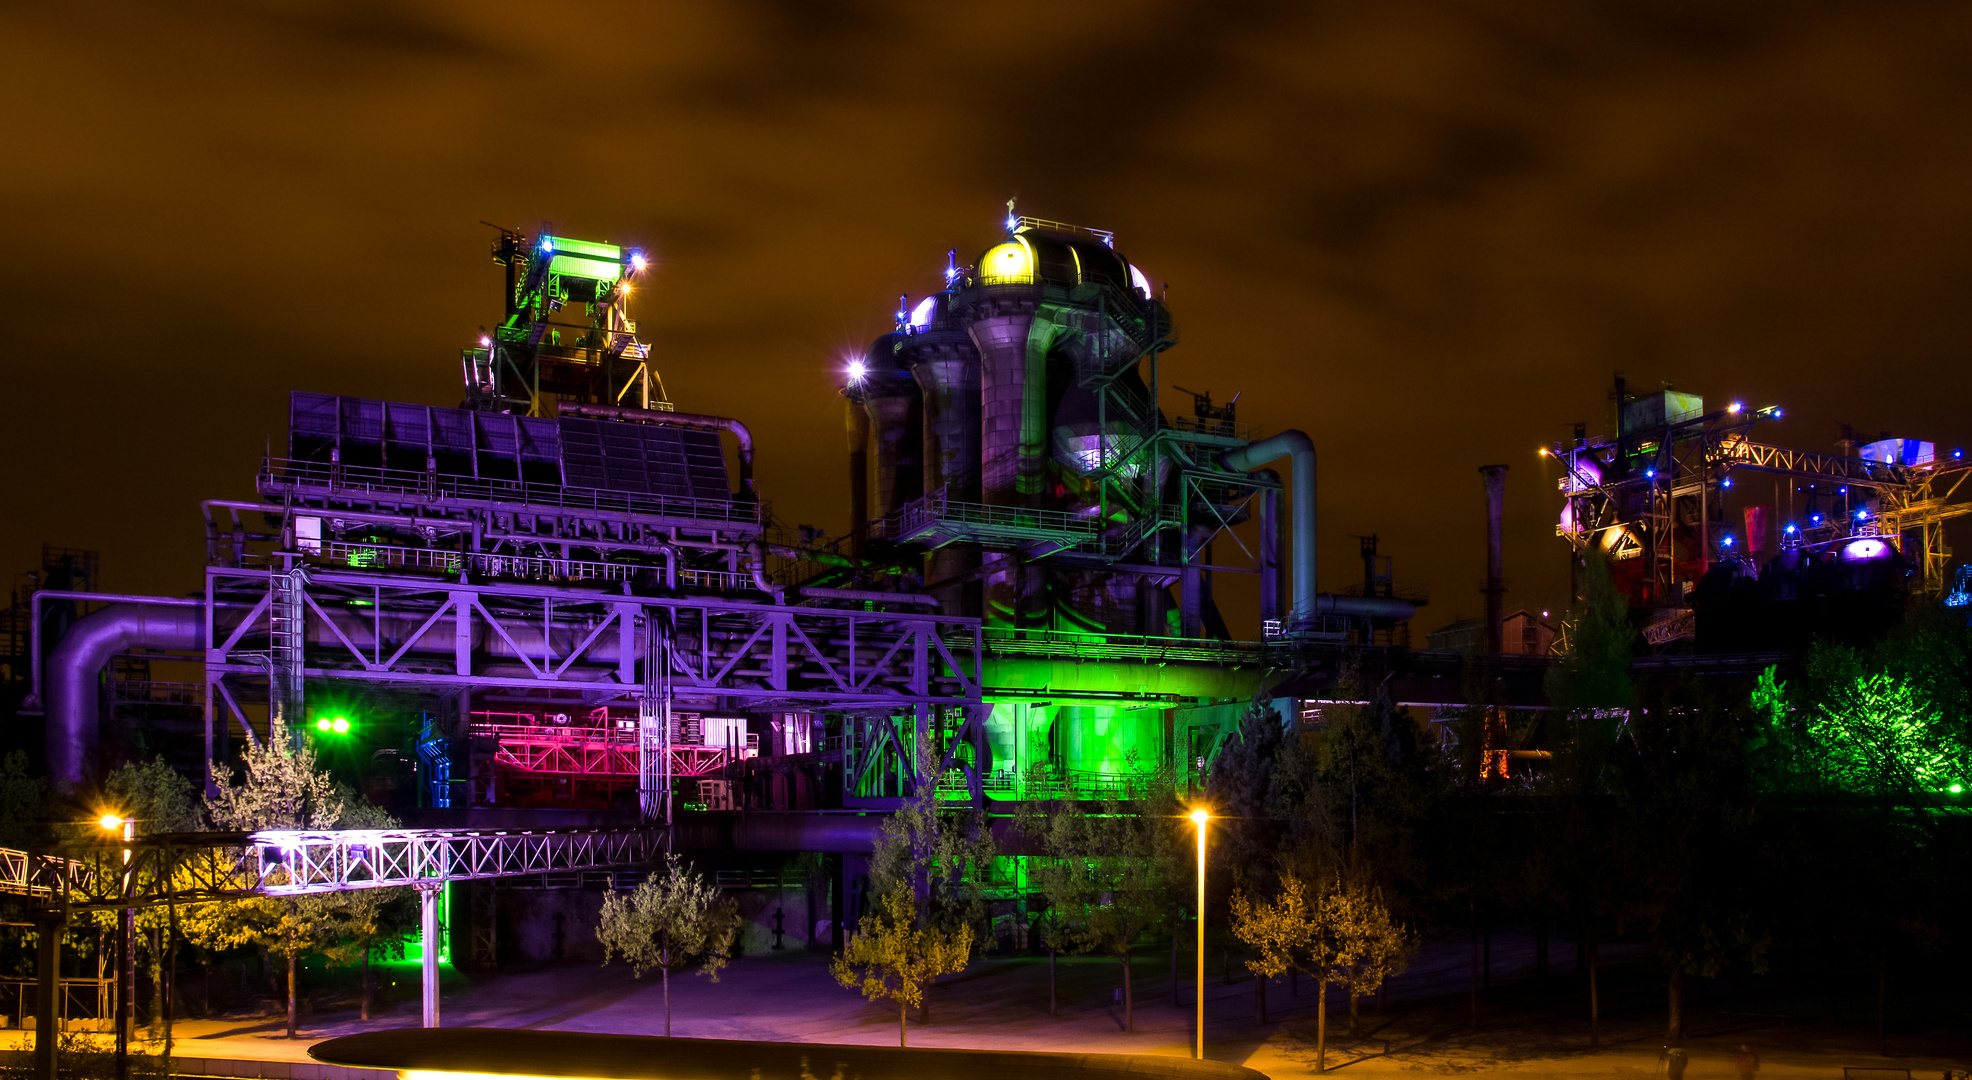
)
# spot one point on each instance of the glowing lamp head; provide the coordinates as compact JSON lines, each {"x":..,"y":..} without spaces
{"x":1542,"y":451}
{"x":638,"y":262}
{"x":322,"y":724}
{"x":857,"y":370}
{"x":341,"y":726}
{"x":485,"y":342}
{"x":1816,"y":520}
{"x":111,"y":822}
{"x":1199,"y":817}
{"x":1650,"y":474}
{"x":1726,"y":541}
{"x":1956,"y":788}
{"x":1734,"y":408}
{"x":1862,"y":515}
{"x":1012,"y":223}
{"x":1727,"y":482}
{"x":547,"y":245}
{"x":1790,"y":530}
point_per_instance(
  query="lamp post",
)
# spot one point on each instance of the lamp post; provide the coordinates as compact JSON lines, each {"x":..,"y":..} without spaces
{"x":1199,"y":818}
{"x":126,"y":958}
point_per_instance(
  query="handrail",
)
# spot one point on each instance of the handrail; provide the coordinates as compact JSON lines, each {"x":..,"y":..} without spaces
{"x":280,"y":474}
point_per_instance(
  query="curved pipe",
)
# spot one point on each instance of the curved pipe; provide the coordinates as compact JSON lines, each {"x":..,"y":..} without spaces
{"x":1300,"y":452}
{"x":75,"y":664}
{"x":674,"y":419}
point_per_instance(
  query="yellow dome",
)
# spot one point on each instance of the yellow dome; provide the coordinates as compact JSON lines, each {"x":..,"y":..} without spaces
{"x":1011,"y":263}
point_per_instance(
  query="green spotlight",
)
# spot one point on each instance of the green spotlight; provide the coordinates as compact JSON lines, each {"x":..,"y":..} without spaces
{"x":322,"y":724}
{"x":1956,"y":788}
{"x":342,"y":726}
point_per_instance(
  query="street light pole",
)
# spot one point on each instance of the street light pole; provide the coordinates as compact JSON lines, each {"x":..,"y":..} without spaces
{"x":126,"y":958}
{"x":1199,"y":818}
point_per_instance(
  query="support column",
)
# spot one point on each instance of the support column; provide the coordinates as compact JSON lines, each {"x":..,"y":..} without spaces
{"x":48,"y":966}
{"x":428,"y":939}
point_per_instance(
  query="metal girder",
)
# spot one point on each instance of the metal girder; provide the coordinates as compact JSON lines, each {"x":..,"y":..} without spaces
{"x":392,"y":629}
{"x":298,"y":863}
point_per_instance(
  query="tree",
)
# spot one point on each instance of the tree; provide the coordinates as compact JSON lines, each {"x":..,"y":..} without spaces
{"x":358,"y":920}
{"x":938,"y":857}
{"x":891,"y":956}
{"x":281,"y":788}
{"x":1107,"y":875}
{"x":667,"y":920}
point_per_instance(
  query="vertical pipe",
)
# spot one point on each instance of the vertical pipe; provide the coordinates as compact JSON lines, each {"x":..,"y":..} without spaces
{"x":428,"y":942}
{"x":1272,"y":535}
{"x":856,"y":425}
{"x":1494,"y":480}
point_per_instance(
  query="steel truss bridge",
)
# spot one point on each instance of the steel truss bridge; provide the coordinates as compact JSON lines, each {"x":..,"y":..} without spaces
{"x":191,"y":868}
{"x":273,"y":629}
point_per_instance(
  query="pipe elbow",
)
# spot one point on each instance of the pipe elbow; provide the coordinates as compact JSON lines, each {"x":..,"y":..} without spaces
{"x":77,"y":660}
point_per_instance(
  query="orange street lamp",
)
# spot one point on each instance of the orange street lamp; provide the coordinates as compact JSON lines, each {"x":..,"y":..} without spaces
{"x":1199,"y":818}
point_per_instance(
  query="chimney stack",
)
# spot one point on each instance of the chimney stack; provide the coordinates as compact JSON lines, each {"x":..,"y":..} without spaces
{"x":1494,"y":479}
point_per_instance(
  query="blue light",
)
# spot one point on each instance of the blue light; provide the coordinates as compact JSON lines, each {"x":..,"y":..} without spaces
{"x":547,"y":245}
{"x":1727,"y":483}
{"x":1790,"y":528}
{"x":637,"y":261}
{"x":1012,"y":223}
{"x":1776,"y":412}
{"x":1816,"y":520}
{"x":1956,"y":454}
{"x":1726,"y":541}
{"x":1843,"y":490}
{"x":1650,"y":474}
{"x":1862,"y":515}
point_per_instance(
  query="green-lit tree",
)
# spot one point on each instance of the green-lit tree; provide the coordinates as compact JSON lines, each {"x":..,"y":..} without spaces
{"x":1107,"y":870}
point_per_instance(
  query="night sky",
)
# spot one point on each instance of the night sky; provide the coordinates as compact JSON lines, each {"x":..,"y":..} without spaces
{"x":1426,"y":234}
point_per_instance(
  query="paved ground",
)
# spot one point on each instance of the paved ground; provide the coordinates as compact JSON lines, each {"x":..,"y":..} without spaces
{"x":1004,"y":1004}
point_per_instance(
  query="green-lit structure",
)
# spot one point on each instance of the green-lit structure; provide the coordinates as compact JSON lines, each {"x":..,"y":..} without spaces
{"x":1008,"y":460}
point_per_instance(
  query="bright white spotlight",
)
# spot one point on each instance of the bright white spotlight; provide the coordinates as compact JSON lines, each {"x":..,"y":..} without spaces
{"x":857,"y":371}
{"x":1734,"y":408}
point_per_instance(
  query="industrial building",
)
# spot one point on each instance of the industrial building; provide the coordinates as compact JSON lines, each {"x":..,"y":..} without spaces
{"x":564,"y":602}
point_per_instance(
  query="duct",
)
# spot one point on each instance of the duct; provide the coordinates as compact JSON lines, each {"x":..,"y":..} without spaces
{"x":873,"y":595}
{"x":1374,"y":607}
{"x":674,"y":419}
{"x":756,"y":563}
{"x":1272,"y":533}
{"x":75,"y":664}
{"x":1300,"y":452}
{"x":845,"y":833}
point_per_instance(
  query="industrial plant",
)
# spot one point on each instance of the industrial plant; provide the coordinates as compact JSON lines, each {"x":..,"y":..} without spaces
{"x":565,"y":603}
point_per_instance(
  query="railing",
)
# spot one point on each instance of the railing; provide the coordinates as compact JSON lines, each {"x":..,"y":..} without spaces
{"x":97,"y":995}
{"x":1416,"y":594}
{"x":1225,"y":429}
{"x":386,"y":557}
{"x":147,"y":692}
{"x":280,"y":476}
{"x":1117,"y":646}
{"x":291,"y":863}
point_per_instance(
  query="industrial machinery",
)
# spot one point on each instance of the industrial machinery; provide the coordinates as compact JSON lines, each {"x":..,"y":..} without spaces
{"x":1668,"y":501}
{"x":1019,"y":466}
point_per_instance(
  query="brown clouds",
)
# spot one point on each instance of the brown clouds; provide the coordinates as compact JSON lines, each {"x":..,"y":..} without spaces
{"x":1424,"y":233}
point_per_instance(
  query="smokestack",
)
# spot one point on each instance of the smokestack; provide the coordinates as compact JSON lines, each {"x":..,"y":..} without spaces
{"x":1494,"y":479}
{"x":856,"y":424}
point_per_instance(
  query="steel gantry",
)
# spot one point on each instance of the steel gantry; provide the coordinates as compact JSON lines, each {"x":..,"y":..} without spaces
{"x":436,"y":634}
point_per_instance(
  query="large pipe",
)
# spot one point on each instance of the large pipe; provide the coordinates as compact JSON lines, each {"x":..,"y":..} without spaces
{"x":673,"y":419}
{"x":856,"y":426}
{"x":1494,"y":479}
{"x":77,"y":662}
{"x":1300,"y":452}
